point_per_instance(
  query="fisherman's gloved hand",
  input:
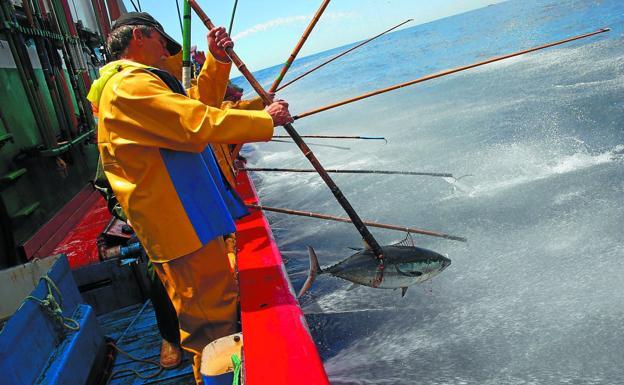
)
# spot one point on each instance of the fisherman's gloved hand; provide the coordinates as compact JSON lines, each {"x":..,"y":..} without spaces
{"x":279,"y":112}
{"x":218,"y":41}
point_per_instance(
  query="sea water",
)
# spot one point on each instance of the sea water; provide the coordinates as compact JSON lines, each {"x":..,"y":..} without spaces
{"x":537,"y":294}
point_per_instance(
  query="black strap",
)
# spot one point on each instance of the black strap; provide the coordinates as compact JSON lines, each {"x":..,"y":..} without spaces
{"x":170,"y":80}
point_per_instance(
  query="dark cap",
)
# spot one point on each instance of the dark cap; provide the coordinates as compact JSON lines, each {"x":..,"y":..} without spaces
{"x":144,"y":18}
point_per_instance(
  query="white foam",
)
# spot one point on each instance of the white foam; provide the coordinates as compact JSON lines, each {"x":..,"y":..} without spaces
{"x":536,"y":166}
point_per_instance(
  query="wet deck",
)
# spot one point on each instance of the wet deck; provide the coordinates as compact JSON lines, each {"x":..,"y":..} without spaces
{"x":135,"y":332}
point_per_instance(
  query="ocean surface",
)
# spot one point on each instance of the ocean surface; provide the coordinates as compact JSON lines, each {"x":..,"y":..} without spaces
{"x":537,"y":294}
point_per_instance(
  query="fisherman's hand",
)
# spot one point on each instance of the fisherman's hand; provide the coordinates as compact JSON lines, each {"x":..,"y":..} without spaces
{"x":200,"y":57}
{"x":218,"y":41}
{"x":279,"y":112}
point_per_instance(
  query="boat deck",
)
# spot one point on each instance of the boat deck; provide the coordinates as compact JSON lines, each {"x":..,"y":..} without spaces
{"x":134,"y":331}
{"x":278,"y":346}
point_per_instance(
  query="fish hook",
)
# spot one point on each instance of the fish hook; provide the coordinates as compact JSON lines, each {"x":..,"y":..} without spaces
{"x":380,"y":272}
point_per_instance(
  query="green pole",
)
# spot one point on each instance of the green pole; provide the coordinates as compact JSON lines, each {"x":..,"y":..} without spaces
{"x":186,"y":46}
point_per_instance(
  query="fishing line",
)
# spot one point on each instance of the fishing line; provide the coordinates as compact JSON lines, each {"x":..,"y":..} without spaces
{"x":134,"y":6}
{"x":179,"y":17}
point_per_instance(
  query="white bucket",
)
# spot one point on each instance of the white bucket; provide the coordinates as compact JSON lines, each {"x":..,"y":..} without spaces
{"x":217,"y":366}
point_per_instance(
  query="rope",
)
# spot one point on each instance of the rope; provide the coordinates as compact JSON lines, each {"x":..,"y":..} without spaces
{"x":53,"y":308}
{"x":135,"y":372}
{"x":237,"y":369}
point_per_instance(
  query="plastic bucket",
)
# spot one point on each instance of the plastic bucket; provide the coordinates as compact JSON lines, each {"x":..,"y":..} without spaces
{"x":217,"y":366}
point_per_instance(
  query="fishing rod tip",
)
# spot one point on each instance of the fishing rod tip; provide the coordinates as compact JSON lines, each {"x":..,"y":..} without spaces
{"x":456,"y":238}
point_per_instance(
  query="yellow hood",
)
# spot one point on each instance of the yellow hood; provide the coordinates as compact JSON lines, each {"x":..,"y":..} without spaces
{"x":106,"y":73}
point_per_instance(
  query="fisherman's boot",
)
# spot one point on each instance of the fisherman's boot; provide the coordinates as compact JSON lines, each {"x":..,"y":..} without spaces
{"x":170,"y":354}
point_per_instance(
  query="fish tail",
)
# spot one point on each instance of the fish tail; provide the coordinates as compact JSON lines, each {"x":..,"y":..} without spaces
{"x":314,"y":271}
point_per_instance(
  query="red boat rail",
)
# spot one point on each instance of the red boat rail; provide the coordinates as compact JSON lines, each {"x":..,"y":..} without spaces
{"x":278,"y":346}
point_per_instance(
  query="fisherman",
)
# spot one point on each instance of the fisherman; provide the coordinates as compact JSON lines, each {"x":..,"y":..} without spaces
{"x":153,"y":141}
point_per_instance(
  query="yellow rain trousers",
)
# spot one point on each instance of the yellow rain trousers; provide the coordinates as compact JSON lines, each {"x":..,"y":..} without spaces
{"x":205,"y":296}
{"x":152,"y":142}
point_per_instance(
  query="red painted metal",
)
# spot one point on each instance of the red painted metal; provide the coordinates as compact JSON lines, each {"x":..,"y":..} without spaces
{"x":70,"y":20}
{"x":79,"y":244}
{"x":42,"y":7}
{"x":87,"y":80}
{"x":113,"y":9}
{"x":278,"y":346}
{"x":48,"y":237}
{"x":102,"y":15}
{"x":68,"y":102}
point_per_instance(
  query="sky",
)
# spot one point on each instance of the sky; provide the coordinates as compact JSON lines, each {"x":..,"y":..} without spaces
{"x":266,"y":31}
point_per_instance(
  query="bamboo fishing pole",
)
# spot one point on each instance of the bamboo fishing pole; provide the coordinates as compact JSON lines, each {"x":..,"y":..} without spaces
{"x":299,"y":45}
{"x":446,"y":72}
{"x":314,"y":144}
{"x":346,"y":171}
{"x":340,"y":55}
{"x":355,"y":218}
{"x":291,"y":58}
{"x":336,"y":137}
{"x":412,"y":230}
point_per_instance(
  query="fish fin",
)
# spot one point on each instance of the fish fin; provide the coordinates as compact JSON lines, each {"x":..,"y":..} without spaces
{"x":314,"y":271}
{"x":353,"y":286}
{"x":403,"y":291}
{"x":407,"y":241}
{"x":355,"y":248}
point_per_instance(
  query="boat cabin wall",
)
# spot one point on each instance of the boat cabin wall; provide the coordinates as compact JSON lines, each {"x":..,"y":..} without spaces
{"x":47,"y":144}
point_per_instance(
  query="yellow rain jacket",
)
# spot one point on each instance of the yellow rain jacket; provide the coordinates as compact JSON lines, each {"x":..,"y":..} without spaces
{"x":152,"y":143}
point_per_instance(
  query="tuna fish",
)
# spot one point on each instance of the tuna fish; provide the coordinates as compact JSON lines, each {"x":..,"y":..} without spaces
{"x":403,"y":266}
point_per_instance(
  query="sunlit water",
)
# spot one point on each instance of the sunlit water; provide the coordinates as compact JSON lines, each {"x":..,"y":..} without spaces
{"x":537,"y":295}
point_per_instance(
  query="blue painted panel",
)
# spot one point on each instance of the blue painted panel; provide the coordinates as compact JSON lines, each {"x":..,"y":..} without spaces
{"x":200,"y":196}
{"x":71,"y":361}
{"x":31,"y":337}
